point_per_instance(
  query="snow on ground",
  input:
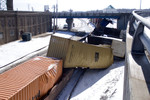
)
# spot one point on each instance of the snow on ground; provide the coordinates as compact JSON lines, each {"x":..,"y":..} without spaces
{"x":81,"y":24}
{"x":64,"y":34}
{"x":113,"y":25}
{"x":14,"y":50}
{"x":104,"y":84}
{"x":61,"y":22}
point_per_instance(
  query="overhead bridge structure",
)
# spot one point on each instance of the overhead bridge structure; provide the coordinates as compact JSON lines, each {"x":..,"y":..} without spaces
{"x":121,"y":16}
{"x":92,"y":14}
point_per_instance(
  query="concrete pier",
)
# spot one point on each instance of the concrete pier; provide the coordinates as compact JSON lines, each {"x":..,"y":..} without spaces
{"x":69,"y":21}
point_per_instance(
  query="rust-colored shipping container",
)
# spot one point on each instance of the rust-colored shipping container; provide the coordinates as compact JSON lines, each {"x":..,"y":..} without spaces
{"x":30,"y":80}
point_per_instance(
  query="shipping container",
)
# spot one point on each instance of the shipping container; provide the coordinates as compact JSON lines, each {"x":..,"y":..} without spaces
{"x":117,"y":45}
{"x":30,"y":80}
{"x":77,"y":54}
{"x":118,"y":48}
{"x":58,"y":47}
{"x":88,"y":56}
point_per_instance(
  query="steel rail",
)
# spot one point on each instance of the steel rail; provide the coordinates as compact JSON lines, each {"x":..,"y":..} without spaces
{"x":146,"y":41}
{"x":140,"y":18}
{"x":141,"y":39}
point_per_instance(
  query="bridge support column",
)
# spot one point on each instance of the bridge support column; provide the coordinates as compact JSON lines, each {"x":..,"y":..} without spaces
{"x":122,"y":22}
{"x":69,"y":21}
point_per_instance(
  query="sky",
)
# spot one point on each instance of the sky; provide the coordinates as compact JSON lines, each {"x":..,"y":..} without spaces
{"x":79,"y":5}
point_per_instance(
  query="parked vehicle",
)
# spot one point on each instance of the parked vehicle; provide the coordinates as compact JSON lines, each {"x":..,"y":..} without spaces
{"x":65,"y":26}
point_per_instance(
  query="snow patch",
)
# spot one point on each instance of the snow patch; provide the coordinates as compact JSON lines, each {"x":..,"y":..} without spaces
{"x":104,"y":84}
{"x":35,"y":59}
{"x":51,"y":66}
{"x":14,"y":50}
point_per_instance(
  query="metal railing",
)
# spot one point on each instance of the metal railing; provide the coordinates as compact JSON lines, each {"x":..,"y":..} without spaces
{"x":137,"y":66}
{"x":141,"y":41}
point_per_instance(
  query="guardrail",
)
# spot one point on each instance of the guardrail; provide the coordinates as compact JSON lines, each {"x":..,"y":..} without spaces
{"x":137,"y":69}
{"x":137,"y":26}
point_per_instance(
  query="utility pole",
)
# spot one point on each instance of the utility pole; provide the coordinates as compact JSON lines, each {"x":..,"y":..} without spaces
{"x":28,"y":7}
{"x":140,"y":3}
{"x":54,"y":20}
{"x":56,"y":13}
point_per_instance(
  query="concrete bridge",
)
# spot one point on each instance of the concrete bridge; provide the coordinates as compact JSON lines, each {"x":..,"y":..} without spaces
{"x":122,"y":16}
{"x":115,"y":13}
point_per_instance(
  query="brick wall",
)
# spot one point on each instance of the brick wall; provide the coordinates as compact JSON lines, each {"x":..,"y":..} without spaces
{"x":13,"y":22}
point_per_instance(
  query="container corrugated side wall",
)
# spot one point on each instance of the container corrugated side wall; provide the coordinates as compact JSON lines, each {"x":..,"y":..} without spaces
{"x":30,"y":80}
{"x":58,"y":47}
{"x":77,"y":54}
{"x":88,"y":56}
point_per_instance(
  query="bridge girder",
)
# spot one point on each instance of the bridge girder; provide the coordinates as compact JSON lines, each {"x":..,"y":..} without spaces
{"x":94,"y":14}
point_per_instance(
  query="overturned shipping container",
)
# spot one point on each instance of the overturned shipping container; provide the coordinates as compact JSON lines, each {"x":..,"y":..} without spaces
{"x":30,"y":80}
{"x":78,"y":54}
{"x":117,"y":45}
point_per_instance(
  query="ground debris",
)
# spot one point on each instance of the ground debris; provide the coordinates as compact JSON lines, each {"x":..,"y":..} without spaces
{"x":104,"y":97}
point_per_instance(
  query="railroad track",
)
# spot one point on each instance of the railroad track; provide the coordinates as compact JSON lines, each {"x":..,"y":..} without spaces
{"x":66,"y":93}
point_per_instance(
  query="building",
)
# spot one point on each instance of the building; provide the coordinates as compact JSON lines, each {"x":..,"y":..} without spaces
{"x":13,"y":22}
{"x":110,"y":9}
